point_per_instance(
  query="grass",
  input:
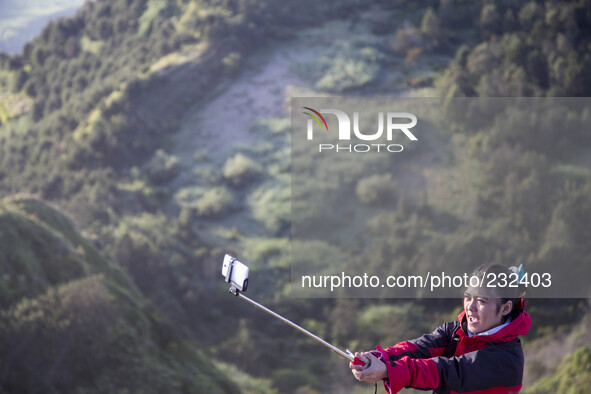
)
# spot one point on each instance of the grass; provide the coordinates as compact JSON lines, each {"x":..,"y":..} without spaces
{"x":188,"y":54}
{"x":13,"y":105}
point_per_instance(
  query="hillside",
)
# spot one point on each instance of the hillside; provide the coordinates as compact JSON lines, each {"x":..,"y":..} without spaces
{"x":162,"y":129}
{"x":73,"y":321}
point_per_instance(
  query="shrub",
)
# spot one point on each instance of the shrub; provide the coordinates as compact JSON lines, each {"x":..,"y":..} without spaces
{"x":406,"y":38}
{"x":232,"y":62}
{"x":204,"y":202}
{"x":19,"y":79}
{"x":188,"y":196}
{"x":375,"y":189}
{"x":353,"y":68}
{"x":272,"y":207}
{"x":268,"y":252}
{"x":247,"y":383}
{"x":345,"y":66}
{"x":162,"y":168}
{"x":214,"y":202}
{"x":287,"y":379}
{"x":431,"y":29}
{"x":382,"y":320}
{"x":572,"y":376}
{"x":490,"y":20}
{"x":241,"y":169}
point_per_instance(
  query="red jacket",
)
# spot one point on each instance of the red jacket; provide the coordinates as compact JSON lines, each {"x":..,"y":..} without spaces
{"x":448,"y":361}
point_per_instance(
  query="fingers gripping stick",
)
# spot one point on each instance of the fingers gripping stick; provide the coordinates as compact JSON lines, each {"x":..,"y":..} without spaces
{"x":356,"y":360}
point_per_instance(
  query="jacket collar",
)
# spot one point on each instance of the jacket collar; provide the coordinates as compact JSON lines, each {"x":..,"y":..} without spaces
{"x":518,"y":326}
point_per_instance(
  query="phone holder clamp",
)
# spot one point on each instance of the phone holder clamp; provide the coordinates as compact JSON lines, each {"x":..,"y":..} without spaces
{"x":234,"y":291}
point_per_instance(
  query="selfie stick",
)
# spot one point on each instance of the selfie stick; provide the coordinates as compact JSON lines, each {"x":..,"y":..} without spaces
{"x":348,"y":355}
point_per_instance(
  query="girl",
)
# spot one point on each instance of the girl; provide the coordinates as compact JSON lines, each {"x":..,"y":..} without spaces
{"x":479,"y":353}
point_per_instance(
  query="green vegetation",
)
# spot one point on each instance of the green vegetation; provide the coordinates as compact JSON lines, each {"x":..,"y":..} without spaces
{"x":527,"y":49}
{"x":103,"y":118}
{"x":572,"y":376}
{"x":73,"y":321}
{"x":375,"y":189}
{"x":271,"y":206}
{"x":240,"y":170}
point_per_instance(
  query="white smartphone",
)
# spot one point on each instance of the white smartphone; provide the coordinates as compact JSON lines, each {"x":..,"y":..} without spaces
{"x":235,"y":272}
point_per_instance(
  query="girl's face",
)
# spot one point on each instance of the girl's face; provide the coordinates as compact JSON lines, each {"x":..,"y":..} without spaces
{"x":482,"y":309}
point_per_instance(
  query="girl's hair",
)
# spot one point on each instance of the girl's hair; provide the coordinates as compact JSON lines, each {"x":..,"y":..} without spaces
{"x":504,"y":284}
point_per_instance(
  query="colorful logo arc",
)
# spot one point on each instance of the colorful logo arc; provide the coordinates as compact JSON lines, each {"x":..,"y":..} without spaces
{"x":315,"y":118}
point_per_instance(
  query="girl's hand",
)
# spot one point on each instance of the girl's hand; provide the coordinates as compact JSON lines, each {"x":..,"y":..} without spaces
{"x":373,"y":369}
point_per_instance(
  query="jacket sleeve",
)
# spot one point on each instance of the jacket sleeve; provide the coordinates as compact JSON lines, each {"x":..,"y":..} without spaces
{"x":421,"y":350}
{"x":494,"y":366}
{"x":499,"y":365}
{"x":427,"y":346}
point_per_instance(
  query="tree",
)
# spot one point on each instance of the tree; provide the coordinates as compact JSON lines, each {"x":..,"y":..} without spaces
{"x":431,"y":29}
{"x":19,"y":79}
{"x":490,"y":20}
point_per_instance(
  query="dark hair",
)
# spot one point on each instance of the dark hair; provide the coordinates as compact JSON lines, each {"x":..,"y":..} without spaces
{"x":504,"y":284}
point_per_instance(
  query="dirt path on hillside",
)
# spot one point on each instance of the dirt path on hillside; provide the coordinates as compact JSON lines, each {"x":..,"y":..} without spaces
{"x":210,"y":133}
{"x":261,"y":90}
{"x":224,"y":122}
